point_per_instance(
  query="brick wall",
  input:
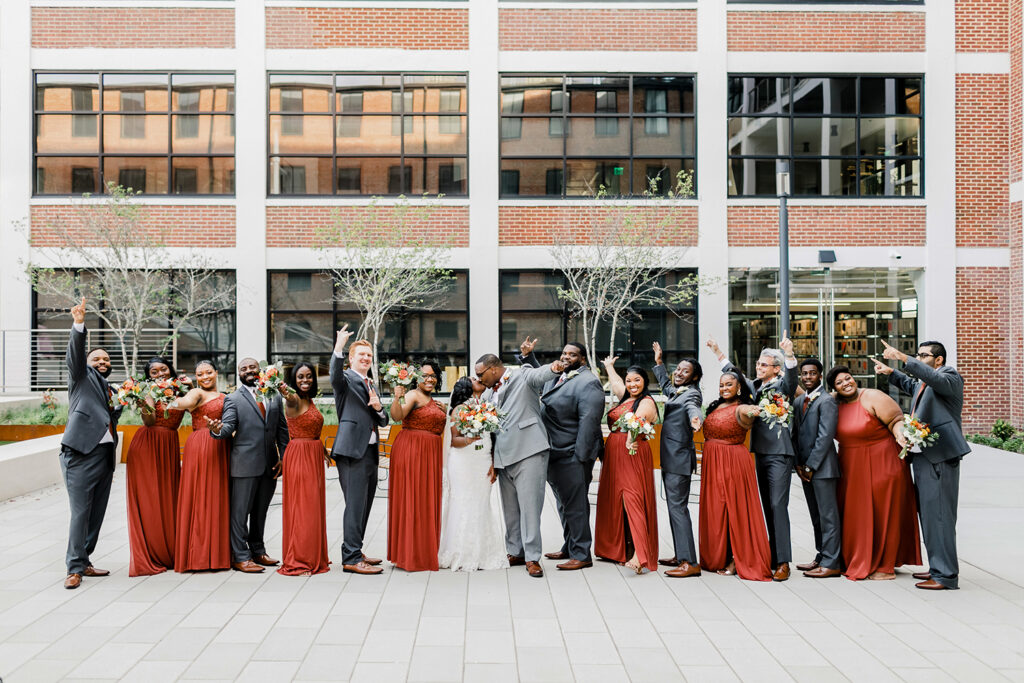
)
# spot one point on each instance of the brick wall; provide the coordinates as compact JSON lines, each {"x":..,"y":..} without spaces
{"x":828,"y":226}
{"x":132,"y":27}
{"x":544,"y":225}
{"x":1016,"y":75}
{"x":395,"y":28}
{"x":981,"y":25}
{"x":599,"y":29}
{"x":173,"y":225}
{"x":826,"y":31}
{"x":983,"y":345}
{"x":1015,"y":322}
{"x":300,"y":226}
{"x":982,"y":158}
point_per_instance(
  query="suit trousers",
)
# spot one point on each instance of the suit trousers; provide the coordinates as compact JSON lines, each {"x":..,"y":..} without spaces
{"x":938,"y":493}
{"x":823,"y":506}
{"x":677,"y":498}
{"x":358,"y":479}
{"x":521,"y":485}
{"x":774,"y":475}
{"x":87,"y":477}
{"x":570,"y":479}
{"x":250,"y":501}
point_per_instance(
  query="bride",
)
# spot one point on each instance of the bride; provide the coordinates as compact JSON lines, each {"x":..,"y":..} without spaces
{"x":472,"y":536}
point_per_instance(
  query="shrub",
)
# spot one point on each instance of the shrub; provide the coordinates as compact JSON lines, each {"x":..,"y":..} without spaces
{"x":1003,"y":430}
{"x":985,"y":440}
{"x":1015,"y":444}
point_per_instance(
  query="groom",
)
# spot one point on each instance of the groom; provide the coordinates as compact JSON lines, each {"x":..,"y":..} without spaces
{"x":520,"y":453}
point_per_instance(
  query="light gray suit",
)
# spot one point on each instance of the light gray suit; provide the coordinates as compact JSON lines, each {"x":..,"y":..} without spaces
{"x":815,"y":431}
{"x":521,"y":459}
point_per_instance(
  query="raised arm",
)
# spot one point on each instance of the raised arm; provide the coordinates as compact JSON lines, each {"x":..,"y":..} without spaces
{"x":413,"y":399}
{"x":790,"y":380}
{"x":76,"y":354}
{"x":189,"y":401}
{"x":538,"y":377}
{"x":529,"y":359}
{"x":660,"y":373}
{"x":526,"y":355}
{"x":337,"y":369}
{"x":942,"y":383}
{"x":615,"y":383}
{"x":691,"y":402}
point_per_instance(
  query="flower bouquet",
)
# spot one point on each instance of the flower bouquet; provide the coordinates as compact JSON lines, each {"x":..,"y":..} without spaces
{"x":165,"y":391}
{"x":634,"y":426}
{"x":917,"y":433}
{"x":132,"y":393}
{"x":775,"y":410}
{"x":476,"y":418}
{"x":269,"y":382}
{"x":395,"y":374}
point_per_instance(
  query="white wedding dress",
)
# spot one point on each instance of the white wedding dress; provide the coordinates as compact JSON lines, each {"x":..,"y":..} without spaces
{"x":472,"y":531}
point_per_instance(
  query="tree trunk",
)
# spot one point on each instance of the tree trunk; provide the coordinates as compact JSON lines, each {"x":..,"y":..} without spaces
{"x":376,"y":360}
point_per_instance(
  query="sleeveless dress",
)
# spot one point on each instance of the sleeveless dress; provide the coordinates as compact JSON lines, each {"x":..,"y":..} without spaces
{"x":876,"y":496}
{"x":414,"y":490}
{"x":472,"y":531}
{"x":731,"y":518}
{"x":153,"y":472}
{"x":305,"y":498}
{"x":627,"y":506}
{"x":203,"y":511}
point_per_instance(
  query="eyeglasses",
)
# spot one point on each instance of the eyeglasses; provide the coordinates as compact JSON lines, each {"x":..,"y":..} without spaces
{"x":766,"y":365}
{"x":924,"y":355}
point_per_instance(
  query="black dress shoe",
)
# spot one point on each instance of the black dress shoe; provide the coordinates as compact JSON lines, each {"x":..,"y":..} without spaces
{"x":668,"y":562}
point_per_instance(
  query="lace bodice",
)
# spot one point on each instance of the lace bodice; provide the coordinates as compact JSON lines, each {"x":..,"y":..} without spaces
{"x":211,"y":409}
{"x":307,"y":425}
{"x":722,"y":425}
{"x":428,"y":418}
{"x":171,"y":419}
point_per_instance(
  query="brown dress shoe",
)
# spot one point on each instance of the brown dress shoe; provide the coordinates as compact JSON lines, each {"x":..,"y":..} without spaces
{"x":557,"y":555}
{"x":922,"y":576}
{"x":932,"y":585}
{"x":92,"y":571}
{"x":265,"y":560}
{"x":372,"y":561}
{"x":361,"y":568}
{"x":782,"y":572}
{"x":808,"y":566}
{"x":514,"y":561}
{"x":534,"y":569}
{"x":249,"y":567}
{"x":73,"y":581}
{"x":684,"y":570}
{"x":575,"y":564}
{"x":822,"y":573}
{"x":669,"y":562}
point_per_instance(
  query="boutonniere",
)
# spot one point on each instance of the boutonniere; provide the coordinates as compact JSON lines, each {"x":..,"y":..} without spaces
{"x":571,"y":375}
{"x":811,"y":398}
{"x":680,"y":390}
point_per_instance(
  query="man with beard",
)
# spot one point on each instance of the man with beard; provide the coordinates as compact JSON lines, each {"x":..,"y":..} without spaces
{"x":87,"y":448}
{"x":260,"y":435}
{"x":573,"y":406}
{"x":815,"y":418}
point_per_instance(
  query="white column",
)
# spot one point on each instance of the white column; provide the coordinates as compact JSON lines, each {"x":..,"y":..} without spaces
{"x":712,"y":167}
{"x":250,"y":180}
{"x":16,"y":188}
{"x":484,"y":333}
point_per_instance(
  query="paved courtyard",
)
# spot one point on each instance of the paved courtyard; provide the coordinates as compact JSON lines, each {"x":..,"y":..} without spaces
{"x":600,"y":624}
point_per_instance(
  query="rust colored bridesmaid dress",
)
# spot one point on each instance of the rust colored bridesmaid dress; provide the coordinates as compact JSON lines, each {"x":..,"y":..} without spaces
{"x":153,"y":471}
{"x":876,"y":497}
{"x":731,"y":516}
{"x":203,"y":512}
{"x":414,"y":490}
{"x":627,"y":507}
{"x":305,"y":498}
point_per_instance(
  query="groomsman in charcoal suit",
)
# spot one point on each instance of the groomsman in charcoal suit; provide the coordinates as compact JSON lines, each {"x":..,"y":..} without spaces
{"x":520,"y":453}
{"x":87,"y":448}
{"x":815,"y":417}
{"x":773,"y":447}
{"x":572,"y":410}
{"x":356,"y":449}
{"x":683,"y":417}
{"x":938,"y":400}
{"x":259,"y":434}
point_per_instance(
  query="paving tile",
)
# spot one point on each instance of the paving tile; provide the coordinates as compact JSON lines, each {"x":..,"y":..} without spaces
{"x":269,"y":672}
{"x":543,"y":664}
{"x":387,"y":646}
{"x":438,"y":630}
{"x":591,"y":648}
{"x":111,"y":660}
{"x":155,"y":672}
{"x":182,"y":644}
{"x":41,"y":671}
{"x":494,"y":647}
{"x":489,"y":673}
{"x":286,"y":644}
{"x":328,"y":663}
{"x":436,"y":663}
{"x":221,"y":661}
{"x":650,"y":664}
{"x":708,"y":674}
{"x":379,"y":672}
{"x":599,"y":673}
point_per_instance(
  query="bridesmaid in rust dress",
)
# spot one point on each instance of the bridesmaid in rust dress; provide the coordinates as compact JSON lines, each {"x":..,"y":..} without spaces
{"x":876,"y":494}
{"x":733,"y":535}
{"x":414,"y":487}
{"x":203,"y":512}
{"x":626,"y":528}
{"x":304,"y":498}
{"x":153,"y":472}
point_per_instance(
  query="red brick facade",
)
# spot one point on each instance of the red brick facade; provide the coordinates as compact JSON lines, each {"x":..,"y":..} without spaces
{"x":981,"y":25}
{"x":173,"y":225}
{"x":1015,"y":322}
{"x":833,"y":226}
{"x":545,"y":225}
{"x":301,"y":226}
{"x":132,"y":27}
{"x":983,"y":345}
{"x":598,"y":29}
{"x":826,"y":31}
{"x":982,"y":132}
{"x":310,"y":28}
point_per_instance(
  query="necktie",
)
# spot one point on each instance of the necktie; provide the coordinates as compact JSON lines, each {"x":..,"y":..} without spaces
{"x":560,"y":380}
{"x":807,"y":402}
{"x":263,"y":408}
{"x":917,"y":397}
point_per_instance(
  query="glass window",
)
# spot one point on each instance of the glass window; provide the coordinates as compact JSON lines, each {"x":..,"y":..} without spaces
{"x":843,"y":136}
{"x":78,"y":150}
{"x":572,"y":135}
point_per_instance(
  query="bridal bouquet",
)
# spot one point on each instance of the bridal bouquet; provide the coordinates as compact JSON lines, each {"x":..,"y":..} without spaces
{"x":395,"y":374}
{"x":635,"y":426}
{"x":775,"y":410}
{"x":270,"y":379}
{"x":476,"y":418}
{"x":917,"y":433}
{"x":132,"y":393}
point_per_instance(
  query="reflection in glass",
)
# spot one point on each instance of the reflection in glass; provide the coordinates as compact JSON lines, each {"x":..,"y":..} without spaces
{"x":824,"y":96}
{"x":828,"y":136}
{"x":758,"y":136}
{"x":587,"y":177}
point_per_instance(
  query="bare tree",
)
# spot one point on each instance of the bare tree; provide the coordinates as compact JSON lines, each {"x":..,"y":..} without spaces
{"x":382,"y":258}
{"x":110,"y":253}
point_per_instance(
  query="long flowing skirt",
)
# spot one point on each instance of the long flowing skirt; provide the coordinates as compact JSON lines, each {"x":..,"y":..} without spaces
{"x":203,"y":507}
{"x":627,"y":504}
{"x":414,"y":500}
{"x":304,"y":509}
{"x":153,"y":472}
{"x":472,"y":532}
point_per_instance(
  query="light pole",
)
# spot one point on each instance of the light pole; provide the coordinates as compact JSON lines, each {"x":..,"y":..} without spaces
{"x":782,"y":190}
